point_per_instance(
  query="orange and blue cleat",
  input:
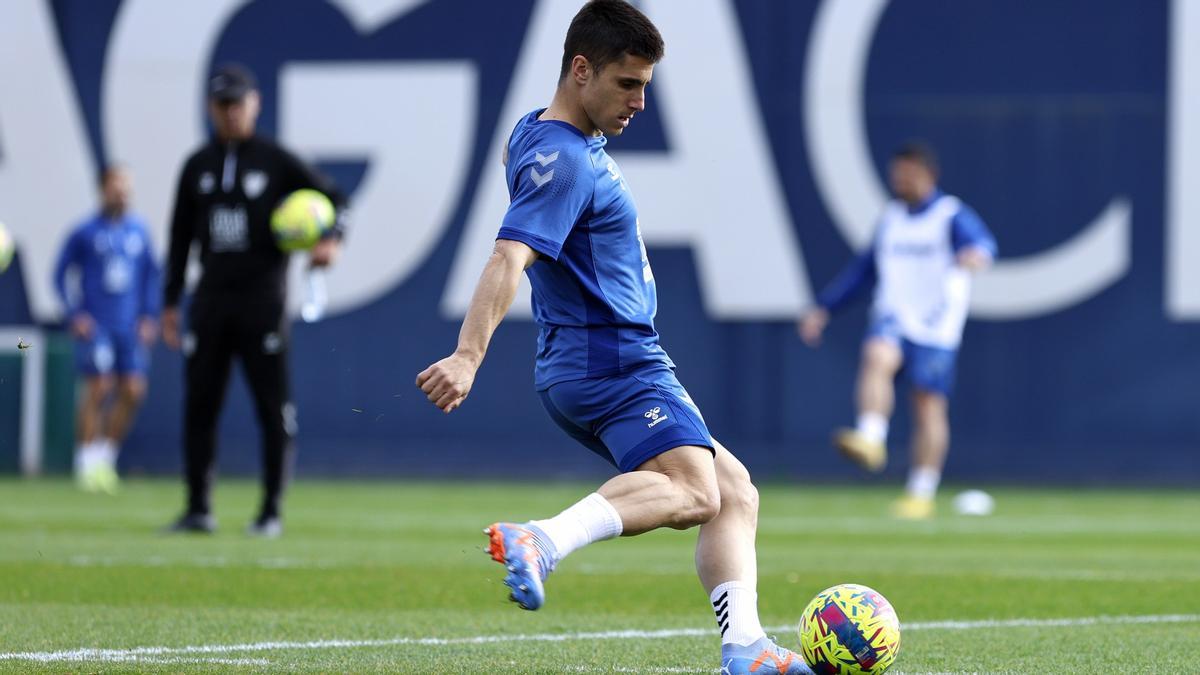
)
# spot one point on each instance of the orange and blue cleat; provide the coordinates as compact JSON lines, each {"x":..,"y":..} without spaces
{"x":522,"y":549}
{"x":761,"y":657}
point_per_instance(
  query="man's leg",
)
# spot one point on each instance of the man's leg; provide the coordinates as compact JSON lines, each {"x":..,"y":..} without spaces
{"x":88,"y":453}
{"x":263,"y":351}
{"x":930,"y":442}
{"x":931,"y":371}
{"x":131,"y":390}
{"x":866,"y":444}
{"x":726,"y":562}
{"x":676,"y":489}
{"x":96,"y":389}
{"x":209,"y":356}
{"x":725,"y":548}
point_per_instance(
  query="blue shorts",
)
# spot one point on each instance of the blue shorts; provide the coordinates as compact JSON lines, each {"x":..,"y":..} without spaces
{"x":628,"y":419}
{"x":927,"y":368}
{"x":109,"y":352}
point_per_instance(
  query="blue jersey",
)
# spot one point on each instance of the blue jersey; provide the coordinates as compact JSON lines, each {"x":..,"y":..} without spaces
{"x":119,"y":279}
{"x":593,"y":291}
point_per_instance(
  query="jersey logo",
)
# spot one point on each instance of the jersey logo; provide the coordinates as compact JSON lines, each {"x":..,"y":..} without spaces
{"x":207,"y":183}
{"x":538,"y":179}
{"x":541,"y":179}
{"x":253,"y":183}
{"x":615,"y":175}
{"x":655,"y":415}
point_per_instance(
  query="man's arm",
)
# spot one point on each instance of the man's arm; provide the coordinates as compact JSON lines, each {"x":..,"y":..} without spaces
{"x":182,"y":224}
{"x":974,"y":245}
{"x":860,"y":274}
{"x":67,"y":258}
{"x":447,"y":382}
{"x":150,"y":304}
{"x":78,"y":320}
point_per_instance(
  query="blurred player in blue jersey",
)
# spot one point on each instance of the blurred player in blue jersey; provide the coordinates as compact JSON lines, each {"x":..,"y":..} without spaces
{"x":600,"y":372}
{"x":113,"y":314}
{"x":926,"y":246}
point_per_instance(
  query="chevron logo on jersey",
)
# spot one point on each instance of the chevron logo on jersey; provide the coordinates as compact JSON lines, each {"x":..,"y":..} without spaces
{"x":540,"y":179}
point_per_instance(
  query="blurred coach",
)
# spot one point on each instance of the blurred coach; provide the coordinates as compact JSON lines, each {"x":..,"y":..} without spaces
{"x":227,"y":192}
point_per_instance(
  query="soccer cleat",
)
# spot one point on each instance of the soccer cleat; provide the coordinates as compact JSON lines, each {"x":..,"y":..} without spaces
{"x":870,"y":455}
{"x":86,"y":480}
{"x":193,"y":523}
{"x":909,"y":507}
{"x":104,"y":478}
{"x":517,"y":548}
{"x":761,"y":657}
{"x":267,"y":527}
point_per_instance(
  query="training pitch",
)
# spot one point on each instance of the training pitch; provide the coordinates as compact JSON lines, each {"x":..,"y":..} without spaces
{"x":378,"y":576}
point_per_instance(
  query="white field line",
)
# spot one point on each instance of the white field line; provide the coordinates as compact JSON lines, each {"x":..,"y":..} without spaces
{"x":285,"y":563}
{"x":139,"y":652}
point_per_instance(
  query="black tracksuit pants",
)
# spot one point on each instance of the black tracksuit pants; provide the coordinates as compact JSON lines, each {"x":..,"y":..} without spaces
{"x":254,"y":329}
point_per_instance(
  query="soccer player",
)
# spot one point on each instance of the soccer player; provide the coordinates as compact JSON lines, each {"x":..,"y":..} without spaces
{"x":926,"y":246}
{"x":600,"y":371}
{"x":113,"y":315}
{"x":227,"y":191}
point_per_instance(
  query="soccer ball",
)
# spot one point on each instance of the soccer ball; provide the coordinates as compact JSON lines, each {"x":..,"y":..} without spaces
{"x":7,"y":247}
{"x":849,"y":630}
{"x":974,"y":503}
{"x":300,"y":220}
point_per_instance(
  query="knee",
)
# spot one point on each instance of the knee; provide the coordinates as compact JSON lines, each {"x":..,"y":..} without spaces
{"x":881,"y":356}
{"x":741,"y":495}
{"x":133,"y":390}
{"x":703,"y":503}
{"x":930,"y":409}
{"x":99,"y":389}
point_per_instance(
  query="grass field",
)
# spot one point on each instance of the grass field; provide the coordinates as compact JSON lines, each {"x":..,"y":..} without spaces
{"x":391,"y":577}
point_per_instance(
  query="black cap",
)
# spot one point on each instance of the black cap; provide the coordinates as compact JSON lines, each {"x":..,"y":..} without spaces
{"x":231,"y":82}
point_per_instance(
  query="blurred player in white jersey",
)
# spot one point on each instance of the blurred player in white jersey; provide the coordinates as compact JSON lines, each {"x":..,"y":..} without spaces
{"x":926,"y":245}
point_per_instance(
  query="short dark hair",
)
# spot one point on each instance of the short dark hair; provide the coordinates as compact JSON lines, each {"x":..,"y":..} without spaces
{"x":604,"y":31}
{"x":920,"y":152}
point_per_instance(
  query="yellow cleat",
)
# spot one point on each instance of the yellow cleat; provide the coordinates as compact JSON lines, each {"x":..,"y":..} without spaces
{"x":912,"y":508}
{"x":100,"y":478}
{"x":108,"y":481}
{"x":86,"y":481}
{"x":870,"y":455}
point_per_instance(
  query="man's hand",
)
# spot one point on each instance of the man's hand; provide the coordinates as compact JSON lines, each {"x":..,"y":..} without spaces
{"x":147,"y":330}
{"x":82,"y":326}
{"x":447,"y":382}
{"x":170,"y":326}
{"x":325,"y":252}
{"x":812,"y":324}
{"x":974,"y":259}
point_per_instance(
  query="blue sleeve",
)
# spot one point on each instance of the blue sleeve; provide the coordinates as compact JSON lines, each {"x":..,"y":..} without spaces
{"x":550,"y":193}
{"x":68,"y":257}
{"x":967,"y":229}
{"x":151,"y":277}
{"x":859,"y":275}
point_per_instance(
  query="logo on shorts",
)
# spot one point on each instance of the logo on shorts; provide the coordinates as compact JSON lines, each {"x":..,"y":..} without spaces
{"x":655,"y":415}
